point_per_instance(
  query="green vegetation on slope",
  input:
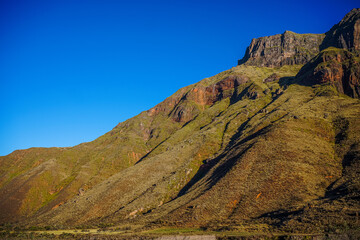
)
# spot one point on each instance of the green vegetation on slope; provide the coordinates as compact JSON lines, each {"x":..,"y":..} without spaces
{"x":231,"y":150}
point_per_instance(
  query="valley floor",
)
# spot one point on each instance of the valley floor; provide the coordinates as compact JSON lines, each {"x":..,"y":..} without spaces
{"x":171,"y":234}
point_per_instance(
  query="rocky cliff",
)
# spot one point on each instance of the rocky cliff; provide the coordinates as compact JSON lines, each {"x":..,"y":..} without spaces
{"x":291,"y":48}
{"x":288,"y":48}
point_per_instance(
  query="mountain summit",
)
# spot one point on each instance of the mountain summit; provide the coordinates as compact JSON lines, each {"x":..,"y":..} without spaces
{"x":291,"y":48}
{"x":272,"y":144}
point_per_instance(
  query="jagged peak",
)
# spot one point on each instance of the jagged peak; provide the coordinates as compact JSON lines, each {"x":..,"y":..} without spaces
{"x":346,"y":33}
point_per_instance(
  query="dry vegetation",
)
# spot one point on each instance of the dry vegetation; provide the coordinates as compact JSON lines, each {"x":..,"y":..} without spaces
{"x":265,"y":157}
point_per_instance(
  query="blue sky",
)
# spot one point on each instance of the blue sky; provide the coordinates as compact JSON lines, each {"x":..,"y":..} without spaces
{"x":71,"y":70}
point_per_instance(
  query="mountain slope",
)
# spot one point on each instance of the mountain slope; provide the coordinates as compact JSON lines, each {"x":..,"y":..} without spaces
{"x":41,"y":179}
{"x":253,"y":160}
{"x":274,"y":140}
{"x":167,"y":169}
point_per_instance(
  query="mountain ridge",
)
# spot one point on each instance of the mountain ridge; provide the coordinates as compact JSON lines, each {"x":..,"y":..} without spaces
{"x":291,"y":48}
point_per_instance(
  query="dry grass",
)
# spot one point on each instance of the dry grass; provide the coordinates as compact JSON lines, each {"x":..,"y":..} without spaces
{"x":236,"y":160}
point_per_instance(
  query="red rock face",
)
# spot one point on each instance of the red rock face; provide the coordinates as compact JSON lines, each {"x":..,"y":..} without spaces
{"x":203,"y":96}
{"x":210,"y":94}
{"x":180,"y":106}
{"x":338,"y":67}
{"x":341,"y":71}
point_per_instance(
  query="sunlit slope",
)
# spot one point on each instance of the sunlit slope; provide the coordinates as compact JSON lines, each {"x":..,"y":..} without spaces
{"x":176,"y":166}
{"x":235,"y":147}
{"x":41,"y":179}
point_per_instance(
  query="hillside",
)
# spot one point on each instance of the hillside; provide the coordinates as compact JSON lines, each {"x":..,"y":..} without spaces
{"x":272,"y":142}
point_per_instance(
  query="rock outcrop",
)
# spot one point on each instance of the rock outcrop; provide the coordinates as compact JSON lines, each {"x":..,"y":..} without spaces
{"x":288,"y":48}
{"x":201,"y":96}
{"x":215,"y":92}
{"x":337,"y":67}
{"x":345,"y":34}
{"x":291,"y":48}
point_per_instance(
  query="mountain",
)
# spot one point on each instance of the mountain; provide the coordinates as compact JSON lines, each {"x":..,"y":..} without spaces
{"x":271,"y":143}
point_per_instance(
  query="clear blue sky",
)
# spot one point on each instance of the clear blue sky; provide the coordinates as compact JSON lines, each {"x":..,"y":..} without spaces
{"x":71,"y":70}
